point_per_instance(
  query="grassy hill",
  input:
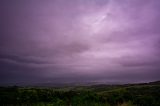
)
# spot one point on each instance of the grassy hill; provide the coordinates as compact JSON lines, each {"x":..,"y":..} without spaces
{"x":144,"y":94}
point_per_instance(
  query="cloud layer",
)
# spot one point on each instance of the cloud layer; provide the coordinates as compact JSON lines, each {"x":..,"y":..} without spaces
{"x":79,"y":40}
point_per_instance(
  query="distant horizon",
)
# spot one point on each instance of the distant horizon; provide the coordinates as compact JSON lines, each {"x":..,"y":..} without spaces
{"x":63,"y":84}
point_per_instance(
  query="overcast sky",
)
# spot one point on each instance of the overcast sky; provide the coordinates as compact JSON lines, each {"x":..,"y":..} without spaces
{"x":45,"y":41}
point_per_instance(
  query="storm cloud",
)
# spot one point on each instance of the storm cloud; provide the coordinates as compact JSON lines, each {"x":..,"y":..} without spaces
{"x":79,"y":40}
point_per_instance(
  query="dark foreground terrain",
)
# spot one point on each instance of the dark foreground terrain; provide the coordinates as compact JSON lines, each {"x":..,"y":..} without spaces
{"x":146,"y":94}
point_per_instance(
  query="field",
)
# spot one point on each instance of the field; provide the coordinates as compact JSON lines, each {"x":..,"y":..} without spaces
{"x":146,"y":94}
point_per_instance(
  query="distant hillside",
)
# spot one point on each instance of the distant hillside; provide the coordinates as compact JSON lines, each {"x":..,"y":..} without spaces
{"x":154,"y":83}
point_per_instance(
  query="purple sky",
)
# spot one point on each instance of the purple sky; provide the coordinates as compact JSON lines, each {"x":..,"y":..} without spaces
{"x":79,"y":41}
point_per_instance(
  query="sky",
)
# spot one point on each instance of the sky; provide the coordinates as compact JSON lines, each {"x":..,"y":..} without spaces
{"x":63,"y":41}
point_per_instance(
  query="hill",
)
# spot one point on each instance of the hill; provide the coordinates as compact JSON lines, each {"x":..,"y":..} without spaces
{"x":142,"y":94}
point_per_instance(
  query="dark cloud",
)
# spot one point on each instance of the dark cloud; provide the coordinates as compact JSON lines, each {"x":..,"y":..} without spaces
{"x":21,"y":59}
{"x":79,"y":40}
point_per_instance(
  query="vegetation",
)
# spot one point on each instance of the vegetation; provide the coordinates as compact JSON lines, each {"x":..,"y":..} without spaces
{"x":98,"y":95}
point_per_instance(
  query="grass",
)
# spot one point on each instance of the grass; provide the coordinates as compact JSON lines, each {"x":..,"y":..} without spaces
{"x":98,"y":95}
